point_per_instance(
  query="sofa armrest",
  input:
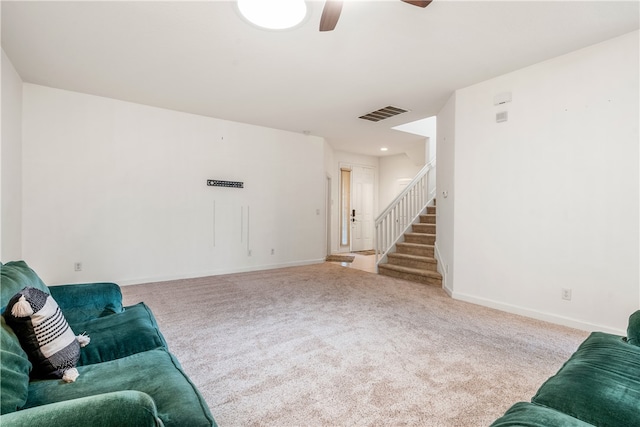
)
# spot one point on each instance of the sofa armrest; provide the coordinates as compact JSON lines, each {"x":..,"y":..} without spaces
{"x":82,"y":302}
{"x":633,"y":330}
{"x":121,"y":408}
{"x":531,"y":415}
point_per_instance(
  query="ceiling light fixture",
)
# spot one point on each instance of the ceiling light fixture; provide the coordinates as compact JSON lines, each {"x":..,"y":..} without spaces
{"x":273,"y":14}
{"x":384,"y":149}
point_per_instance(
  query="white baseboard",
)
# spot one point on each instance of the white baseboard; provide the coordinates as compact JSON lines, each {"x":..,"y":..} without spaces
{"x":218,"y":272}
{"x":535,"y":314}
{"x":441,"y":269}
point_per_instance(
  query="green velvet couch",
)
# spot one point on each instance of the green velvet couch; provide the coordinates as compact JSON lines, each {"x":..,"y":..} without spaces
{"x":127,"y":375}
{"x":598,"y":386}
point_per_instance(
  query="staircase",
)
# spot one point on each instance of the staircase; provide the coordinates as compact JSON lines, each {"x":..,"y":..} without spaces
{"x":414,"y":258}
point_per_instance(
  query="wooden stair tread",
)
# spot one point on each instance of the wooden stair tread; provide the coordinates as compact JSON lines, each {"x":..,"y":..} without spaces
{"x":419,"y":234}
{"x":427,"y":221}
{"x":414,"y":245}
{"x":423,"y":225}
{"x":413,"y":257}
{"x":409,"y":270}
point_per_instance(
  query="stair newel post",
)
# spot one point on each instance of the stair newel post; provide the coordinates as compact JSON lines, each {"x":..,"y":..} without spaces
{"x":393,"y":220}
{"x":424,"y":185}
{"x":399,"y":225}
{"x":425,"y":188}
{"x":405,"y":209}
{"x":387,"y":230}
{"x":376,"y":243}
{"x":398,"y":210}
{"x":409,"y":205}
{"x":417,"y":199}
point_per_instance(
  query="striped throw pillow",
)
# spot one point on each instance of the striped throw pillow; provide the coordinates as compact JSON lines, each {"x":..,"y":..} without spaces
{"x":44,"y":334}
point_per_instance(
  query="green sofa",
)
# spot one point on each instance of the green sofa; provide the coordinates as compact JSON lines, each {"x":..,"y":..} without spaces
{"x":598,"y":386}
{"x":127,"y":375}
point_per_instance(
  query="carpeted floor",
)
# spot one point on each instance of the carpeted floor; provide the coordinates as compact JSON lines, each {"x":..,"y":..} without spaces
{"x":325,"y":345}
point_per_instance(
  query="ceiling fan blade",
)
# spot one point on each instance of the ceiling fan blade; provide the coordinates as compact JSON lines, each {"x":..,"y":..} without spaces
{"x":330,"y":15}
{"x":418,"y":3}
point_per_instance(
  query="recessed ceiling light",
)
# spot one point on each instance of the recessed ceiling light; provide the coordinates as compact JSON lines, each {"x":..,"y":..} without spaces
{"x":273,"y":14}
{"x":384,"y":149}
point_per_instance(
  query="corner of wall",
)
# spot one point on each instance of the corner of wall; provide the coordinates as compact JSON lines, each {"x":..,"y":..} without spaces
{"x":11,"y":162}
{"x":445,"y":199}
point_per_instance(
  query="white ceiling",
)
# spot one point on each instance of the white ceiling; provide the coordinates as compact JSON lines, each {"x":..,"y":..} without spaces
{"x":202,"y":57}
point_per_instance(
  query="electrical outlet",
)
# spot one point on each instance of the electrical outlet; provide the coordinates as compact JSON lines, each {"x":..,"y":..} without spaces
{"x":566,"y":294}
{"x":249,"y":253}
{"x":77,"y":266}
{"x":273,"y":251}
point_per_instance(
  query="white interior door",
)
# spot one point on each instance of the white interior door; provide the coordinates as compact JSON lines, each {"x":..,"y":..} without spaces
{"x":362,"y":208}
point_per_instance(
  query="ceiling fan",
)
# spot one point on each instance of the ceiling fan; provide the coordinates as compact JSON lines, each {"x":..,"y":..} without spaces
{"x":332,"y":9}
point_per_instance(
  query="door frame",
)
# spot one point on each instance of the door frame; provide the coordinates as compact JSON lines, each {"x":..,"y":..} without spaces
{"x":328,"y":210}
{"x":349,"y":166}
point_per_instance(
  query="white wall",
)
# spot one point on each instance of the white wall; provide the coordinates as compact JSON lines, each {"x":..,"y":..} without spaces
{"x":344,"y":158}
{"x":445,"y":177}
{"x":333,"y":199}
{"x":418,"y":153}
{"x":430,"y":151}
{"x":11,"y":163}
{"x":121,"y":187}
{"x":550,"y":198}
{"x":395,"y":170}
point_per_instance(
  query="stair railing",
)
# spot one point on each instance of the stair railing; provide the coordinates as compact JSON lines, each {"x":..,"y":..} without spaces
{"x":403,"y":211}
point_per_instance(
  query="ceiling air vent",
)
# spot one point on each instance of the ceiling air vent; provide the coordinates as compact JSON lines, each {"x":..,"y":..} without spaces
{"x":383,"y":113}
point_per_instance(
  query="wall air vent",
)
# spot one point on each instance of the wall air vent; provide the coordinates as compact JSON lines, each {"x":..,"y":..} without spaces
{"x":220,"y":183}
{"x":383,"y":113}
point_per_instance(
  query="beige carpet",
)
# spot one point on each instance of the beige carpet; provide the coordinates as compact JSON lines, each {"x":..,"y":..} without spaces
{"x":367,"y":252}
{"x":326,"y":345}
{"x":340,"y":258}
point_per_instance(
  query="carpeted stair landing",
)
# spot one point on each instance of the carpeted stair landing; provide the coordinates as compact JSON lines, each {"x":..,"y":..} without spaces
{"x":414,"y":259}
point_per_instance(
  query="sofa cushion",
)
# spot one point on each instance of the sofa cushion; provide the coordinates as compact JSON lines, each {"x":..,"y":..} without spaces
{"x":155,"y":372}
{"x":80,"y":302}
{"x":599,"y":384}
{"x":15,"y":276}
{"x":524,"y":414}
{"x":633,"y":330}
{"x":44,"y":333}
{"x":119,"y":335}
{"x":122,"y":408}
{"x":14,"y":371}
